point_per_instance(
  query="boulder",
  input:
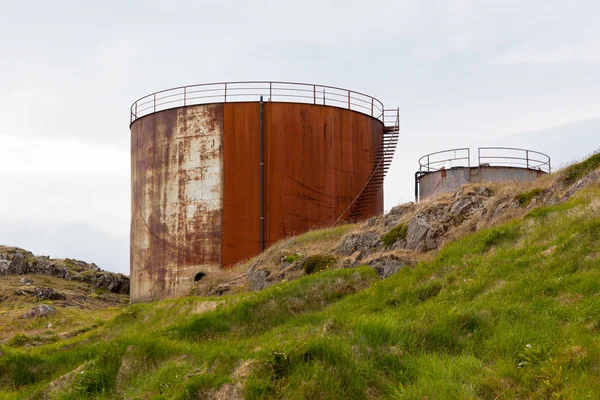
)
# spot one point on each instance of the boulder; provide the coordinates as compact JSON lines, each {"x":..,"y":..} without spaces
{"x":17,"y":264}
{"x":393,"y":217}
{"x":418,"y":228}
{"x":364,"y":243}
{"x":41,"y":311}
{"x":464,"y":206}
{"x":386,"y":265}
{"x":4,"y":267}
{"x":47,"y":294}
{"x":258,"y":280}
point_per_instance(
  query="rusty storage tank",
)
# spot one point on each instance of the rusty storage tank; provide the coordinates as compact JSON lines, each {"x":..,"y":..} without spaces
{"x":446,"y":171}
{"x":221,"y":171}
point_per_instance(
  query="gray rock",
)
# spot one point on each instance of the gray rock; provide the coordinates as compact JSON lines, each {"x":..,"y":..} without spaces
{"x":48,"y":294}
{"x":401,"y":209}
{"x":416,"y":234}
{"x":464,"y":206}
{"x":43,"y":310}
{"x":503,"y":206}
{"x":258,"y":280}
{"x":25,"y":280}
{"x":399,"y":245}
{"x":17,"y":264}
{"x":4,"y":267}
{"x":387,"y":265}
{"x":484,"y":191}
{"x":393,"y":217}
{"x":361,"y":242}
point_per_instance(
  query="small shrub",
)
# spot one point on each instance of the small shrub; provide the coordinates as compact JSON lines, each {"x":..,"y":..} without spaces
{"x":499,"y":235}
{"x":395,"y":234}
{"x":318,"y":262}
{"x":429,"y":290}
{"x":292,"y":258}
{"x":579,"y":170}
{"x":20,"y":339}
{"x":524,"y":199}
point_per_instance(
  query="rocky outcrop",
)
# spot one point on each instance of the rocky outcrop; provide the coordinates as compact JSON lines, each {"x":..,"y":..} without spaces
{"x":359,"y":244}
{"x":580,"y":184}
{"x":15,"y":261}
{"x":392,"y":218}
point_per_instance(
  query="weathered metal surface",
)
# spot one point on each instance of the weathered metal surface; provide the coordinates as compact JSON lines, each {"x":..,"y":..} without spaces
{"x":241,"y":156}
{"x":317,"y":160}
{"x":450,"y":180}
{"x":177,"y":199}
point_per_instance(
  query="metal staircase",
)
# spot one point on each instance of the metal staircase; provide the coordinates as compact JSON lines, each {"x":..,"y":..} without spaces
{"x":383,"y":160}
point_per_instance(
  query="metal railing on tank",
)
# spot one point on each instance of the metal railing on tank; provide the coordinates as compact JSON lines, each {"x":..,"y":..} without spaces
{"x":460,"y":157}
{"x":229,"y":92}
{"x":513,"y":157}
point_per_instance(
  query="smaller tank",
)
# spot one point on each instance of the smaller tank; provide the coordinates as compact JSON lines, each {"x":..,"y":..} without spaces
{"x":447,"y":170}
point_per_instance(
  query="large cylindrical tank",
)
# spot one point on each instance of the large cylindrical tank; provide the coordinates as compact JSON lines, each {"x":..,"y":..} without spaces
{"x":196,"y":183}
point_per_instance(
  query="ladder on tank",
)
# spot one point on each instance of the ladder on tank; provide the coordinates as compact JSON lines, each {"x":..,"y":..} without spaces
{"x":383,"y":160}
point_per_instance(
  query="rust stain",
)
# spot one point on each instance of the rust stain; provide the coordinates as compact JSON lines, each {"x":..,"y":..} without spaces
{"x":176,"y":199}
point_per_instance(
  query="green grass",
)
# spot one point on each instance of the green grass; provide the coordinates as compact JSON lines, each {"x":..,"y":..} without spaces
{"x":508,"y":312}
{"x":577,"y":171}
{"x":525,"y":198}
{"x":395,"y":234}
{"x":290,"y":258}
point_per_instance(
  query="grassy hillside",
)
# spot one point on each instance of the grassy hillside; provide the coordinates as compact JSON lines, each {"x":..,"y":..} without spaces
{"x":511,"y":311}
{"x":81,"y":307}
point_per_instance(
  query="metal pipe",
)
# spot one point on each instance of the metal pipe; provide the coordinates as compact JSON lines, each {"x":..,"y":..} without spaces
{"x":417,"y":186}
{"x":262,"y":181}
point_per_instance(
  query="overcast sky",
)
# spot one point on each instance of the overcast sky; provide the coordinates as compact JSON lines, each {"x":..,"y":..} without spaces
{"x":462,"y":72}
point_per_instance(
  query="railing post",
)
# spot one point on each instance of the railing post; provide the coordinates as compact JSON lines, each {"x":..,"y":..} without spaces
{"x":315,"y":94}
{"x":135,"y":110}
{"x":154,"y":102}
{"x":372,"y":106}
{"x":225,"y":99}
{"x":348,"y":99}
{"x":527,"y":158}
{"x":184,"y":94}
{"x":270,"y":90}
{"x":469,"y":159}
{"x":428,"y":162}
{"x":323,"y":96}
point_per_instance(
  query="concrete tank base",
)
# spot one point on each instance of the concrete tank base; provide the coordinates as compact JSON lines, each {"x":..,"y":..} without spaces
{"x":450,"y":180}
